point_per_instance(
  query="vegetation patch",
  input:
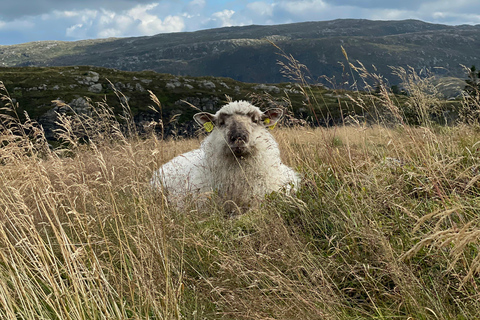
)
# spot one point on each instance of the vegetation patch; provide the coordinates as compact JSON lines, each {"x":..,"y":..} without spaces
{"x":384,"y":226}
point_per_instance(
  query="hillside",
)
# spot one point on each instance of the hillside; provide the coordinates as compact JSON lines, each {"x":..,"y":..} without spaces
{"x":245,"y":53}
{"x":42,"y":92}
{"x":81,"y":87}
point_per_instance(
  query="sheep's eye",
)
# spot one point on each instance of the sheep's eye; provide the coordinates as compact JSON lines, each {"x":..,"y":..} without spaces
{"x":221,"y":122}
{"x":255,"y":120}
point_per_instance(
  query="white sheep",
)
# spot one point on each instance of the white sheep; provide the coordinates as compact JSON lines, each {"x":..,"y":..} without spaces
{"x":240,"y":160}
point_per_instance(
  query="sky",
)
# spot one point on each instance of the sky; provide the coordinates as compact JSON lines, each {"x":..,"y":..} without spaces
{"x":35,"y":20}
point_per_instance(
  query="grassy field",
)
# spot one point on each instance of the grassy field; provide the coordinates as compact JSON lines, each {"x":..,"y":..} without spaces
{"x":385,"y":226}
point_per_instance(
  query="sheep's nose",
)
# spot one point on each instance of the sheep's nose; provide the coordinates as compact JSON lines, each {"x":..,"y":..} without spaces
{"x":239,"y":138}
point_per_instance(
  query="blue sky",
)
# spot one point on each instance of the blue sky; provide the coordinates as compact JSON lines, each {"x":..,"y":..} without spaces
{"x":33,"y":20}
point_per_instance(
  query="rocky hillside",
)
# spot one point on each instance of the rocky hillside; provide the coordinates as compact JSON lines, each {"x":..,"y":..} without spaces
{"x":35,"y":89}
{"x":246,"y":53}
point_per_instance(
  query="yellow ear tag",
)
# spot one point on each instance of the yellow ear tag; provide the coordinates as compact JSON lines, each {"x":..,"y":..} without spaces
{"x":208,"y":126}
{"x":267,"y":121}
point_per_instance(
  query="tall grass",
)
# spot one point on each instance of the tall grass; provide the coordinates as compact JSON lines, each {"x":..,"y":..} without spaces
{"x":385,"y":225}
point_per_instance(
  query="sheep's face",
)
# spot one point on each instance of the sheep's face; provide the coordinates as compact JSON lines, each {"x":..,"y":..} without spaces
{"x":237,"y":130}
{"x":236,"y":122}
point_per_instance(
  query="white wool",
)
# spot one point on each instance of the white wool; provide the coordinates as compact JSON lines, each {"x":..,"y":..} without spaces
{"x":238,"y":107}
{"x":213,"y":168}
{"x":182,"y":175}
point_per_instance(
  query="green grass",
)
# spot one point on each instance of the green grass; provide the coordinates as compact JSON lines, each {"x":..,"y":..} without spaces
{"x":385,"y":225}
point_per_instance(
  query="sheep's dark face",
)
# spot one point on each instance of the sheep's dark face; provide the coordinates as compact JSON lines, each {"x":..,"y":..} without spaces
{"x":239,"y":129}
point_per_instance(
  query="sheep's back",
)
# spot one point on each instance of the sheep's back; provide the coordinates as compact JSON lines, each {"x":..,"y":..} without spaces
{"x":182,"y":175}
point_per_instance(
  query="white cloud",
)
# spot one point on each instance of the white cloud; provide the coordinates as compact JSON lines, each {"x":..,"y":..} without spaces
{"x":19,"y":9}
{"x":68,"y":14}
{"x":261,"y":8}
{"x":149,"y":24}
{"x":223,"y":18}
{"x":197,"y":3}
{"x":439,"y":15}
{"x":85,"y":14}
{"x":109,"y":33}
{"x":103,"y":23}
{"x":26,"y":24}
{"x":140,"y":11}
{"x":74,"y":30}
{"x":303,"y":7}
{"x":172,"y":24}
{"x":194,"y":9}
{"x":392,"y":14}
{"x":454,"y":18}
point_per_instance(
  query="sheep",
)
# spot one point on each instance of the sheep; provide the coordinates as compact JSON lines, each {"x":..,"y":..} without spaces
{"x":239,"y":159}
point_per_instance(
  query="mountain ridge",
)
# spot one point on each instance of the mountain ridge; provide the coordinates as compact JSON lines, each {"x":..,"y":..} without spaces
{"x":247,"y":54}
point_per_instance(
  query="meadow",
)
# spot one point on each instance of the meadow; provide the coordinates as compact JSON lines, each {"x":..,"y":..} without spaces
{"x":385,"y":226}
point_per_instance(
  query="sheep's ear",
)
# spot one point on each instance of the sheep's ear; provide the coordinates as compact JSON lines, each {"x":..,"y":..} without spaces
{"x":206,"y":120}
{"x":271,"y":117}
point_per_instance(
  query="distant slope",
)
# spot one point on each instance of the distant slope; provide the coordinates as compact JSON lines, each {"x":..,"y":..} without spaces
{"x":34,"y":88}
{"x":245,"y":54}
